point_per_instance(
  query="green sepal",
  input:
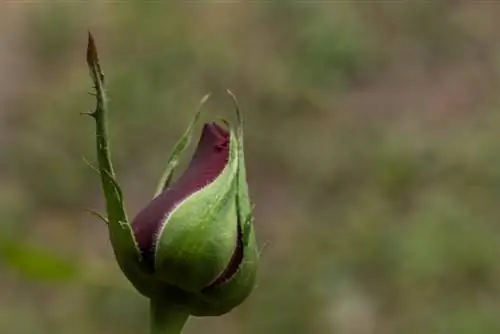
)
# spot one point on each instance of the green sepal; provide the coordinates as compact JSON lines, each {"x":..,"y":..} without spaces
{"x":220,"y":299}
{"x":244,"y":206}
{"x":178,"y":149}
{"x":120,"y":232}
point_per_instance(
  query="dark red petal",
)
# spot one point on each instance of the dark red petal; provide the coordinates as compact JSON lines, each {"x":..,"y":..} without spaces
{"x":209,"y":160}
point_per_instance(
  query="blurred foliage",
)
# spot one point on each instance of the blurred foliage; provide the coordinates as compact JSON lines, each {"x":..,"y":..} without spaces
{"x":372,"y":149}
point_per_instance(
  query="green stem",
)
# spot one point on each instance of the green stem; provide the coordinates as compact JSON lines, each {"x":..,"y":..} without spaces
{"x":167,"y":318}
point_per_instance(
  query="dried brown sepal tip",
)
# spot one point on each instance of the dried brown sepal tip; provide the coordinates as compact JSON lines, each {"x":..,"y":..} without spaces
{"x":92,"y":57}
{"x":91,"y":51}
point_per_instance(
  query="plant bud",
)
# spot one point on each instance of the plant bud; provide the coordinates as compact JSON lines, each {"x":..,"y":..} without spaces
{"x":196,"y":235}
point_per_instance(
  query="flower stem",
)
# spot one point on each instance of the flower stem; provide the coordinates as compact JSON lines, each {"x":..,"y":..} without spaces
{"x":167,"y":317}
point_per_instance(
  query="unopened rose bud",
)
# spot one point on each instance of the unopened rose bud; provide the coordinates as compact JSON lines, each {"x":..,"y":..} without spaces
{"x":192,"y":235}
{"x":196,"y":235}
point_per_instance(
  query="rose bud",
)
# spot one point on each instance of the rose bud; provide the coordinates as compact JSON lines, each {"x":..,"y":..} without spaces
{"x":196,"y":234}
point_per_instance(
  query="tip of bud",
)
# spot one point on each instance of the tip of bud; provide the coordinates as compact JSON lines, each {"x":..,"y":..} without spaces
{"x":215,"y":136}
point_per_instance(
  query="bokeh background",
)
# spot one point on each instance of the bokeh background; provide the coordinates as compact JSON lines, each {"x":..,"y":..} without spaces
{"x":373,"y":151}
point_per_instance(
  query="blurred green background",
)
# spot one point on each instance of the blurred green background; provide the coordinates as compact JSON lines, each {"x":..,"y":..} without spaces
{"x":373,"y":151}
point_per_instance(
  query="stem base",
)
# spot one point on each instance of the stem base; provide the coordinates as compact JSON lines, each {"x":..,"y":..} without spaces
{"x":167,"y":317}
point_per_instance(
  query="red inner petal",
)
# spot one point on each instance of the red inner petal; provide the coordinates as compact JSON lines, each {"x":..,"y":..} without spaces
{"x":208,"y":162}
